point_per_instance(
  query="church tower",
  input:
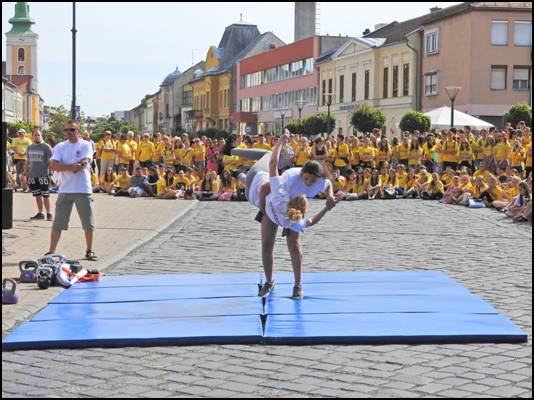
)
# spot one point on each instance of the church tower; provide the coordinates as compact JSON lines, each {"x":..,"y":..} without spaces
{"x":21,"y":46}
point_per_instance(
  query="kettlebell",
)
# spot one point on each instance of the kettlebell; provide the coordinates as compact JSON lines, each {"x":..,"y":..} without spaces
{"x":45,"y":274}
{"x":28,"y":271}
{"x":8,"y":292}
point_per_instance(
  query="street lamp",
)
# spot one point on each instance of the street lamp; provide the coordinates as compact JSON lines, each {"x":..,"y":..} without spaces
{"x":283,"y":114}
{"x":452,"y":92}
{"x":300,"y":106}
{"x":73,"y":30}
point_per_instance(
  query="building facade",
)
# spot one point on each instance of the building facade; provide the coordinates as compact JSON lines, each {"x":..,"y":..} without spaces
{"x":483,"y":47}
{"x":213,"y":87}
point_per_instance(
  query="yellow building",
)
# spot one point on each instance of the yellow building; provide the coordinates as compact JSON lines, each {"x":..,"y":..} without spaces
{"x":368,"y":71}
{"x":211,"y":93}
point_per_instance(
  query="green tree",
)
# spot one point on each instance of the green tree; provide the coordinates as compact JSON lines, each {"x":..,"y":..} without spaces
{"x":415,"y":120}
{"x":112,"y":124}
{"x":59,"y":119}
{"x":12,"y":128}
{"x":519,"y":112}
{"x":365,"y":118}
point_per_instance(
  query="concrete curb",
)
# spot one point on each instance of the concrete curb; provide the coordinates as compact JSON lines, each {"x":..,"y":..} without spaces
{"x":41,"y":299}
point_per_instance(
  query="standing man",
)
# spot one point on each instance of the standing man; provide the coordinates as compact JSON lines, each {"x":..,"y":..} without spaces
{"x":108,"y":150}
{"x":36,"y":173}
{"x":73,"y":158}
{"x":20,"y":145}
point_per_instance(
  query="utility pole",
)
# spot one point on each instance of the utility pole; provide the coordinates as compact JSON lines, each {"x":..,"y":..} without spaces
{"x":73,"y":104}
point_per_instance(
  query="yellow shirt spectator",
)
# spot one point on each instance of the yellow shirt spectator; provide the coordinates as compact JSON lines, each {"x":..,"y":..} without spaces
{"x":125,"y":153}
{"x":21,"y":144}
{"x":145,"y":151}
{"x":133,"y":147}
{"x":342,"y":152}
{"x":501,"y":151}
{"x":108,"y":148}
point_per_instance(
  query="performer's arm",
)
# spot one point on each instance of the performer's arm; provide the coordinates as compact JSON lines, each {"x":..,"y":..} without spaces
{"x":275,"y":155}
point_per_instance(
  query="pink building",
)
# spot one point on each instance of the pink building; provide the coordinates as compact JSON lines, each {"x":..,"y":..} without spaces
{"x":273,"y":85}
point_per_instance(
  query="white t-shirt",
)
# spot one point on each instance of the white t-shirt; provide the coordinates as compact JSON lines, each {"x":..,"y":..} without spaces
{"x":295,"y":185}
{"x":71,"y":153}
{"x":275,"y":202}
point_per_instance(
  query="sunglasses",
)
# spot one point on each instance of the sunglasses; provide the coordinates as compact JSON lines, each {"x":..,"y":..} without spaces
{"x":69,"y":130}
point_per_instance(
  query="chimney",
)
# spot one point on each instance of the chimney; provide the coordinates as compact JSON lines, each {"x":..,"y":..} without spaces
{"x":378,"y":26}
{"x":305,"y":19}
{"x":366,"y":32}
{"x":434,"y":9}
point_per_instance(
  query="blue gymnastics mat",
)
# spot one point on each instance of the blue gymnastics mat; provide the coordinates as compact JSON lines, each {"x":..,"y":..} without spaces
{"x":345,"y":308}
{"x":84,"y":332}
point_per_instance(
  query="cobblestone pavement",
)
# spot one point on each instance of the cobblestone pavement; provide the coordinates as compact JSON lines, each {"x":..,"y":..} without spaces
{"x":486,"y":253}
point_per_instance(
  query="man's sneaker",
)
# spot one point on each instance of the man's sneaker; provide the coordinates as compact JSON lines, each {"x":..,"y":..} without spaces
{"x":133,"y":193}
{"x":38,"y":216}
{"x":49,"y":217}
{"x":266,"y":289}
{"x":298,"y":293}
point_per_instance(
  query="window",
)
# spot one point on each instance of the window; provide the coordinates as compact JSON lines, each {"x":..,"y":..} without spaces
{"x":405,"y":79}
{"x":341,"y":88}
{"x":432,"y":44}
{"x":499,"y":33}
{"x":324,"y":91}
{"x":523,"y":33}
{"x":353,"y":94}
{"x":167,"y":114}
{"x":395,"y":81}
{"x":521,"y":78}
{"x":330,"y":100}
{"x":498,"y":77}
{"x":431,"y":84}
{"x":21,"y":70}
{"x":366,"y":87}
{"x":21,"y":54}
{"x":385,"y":83}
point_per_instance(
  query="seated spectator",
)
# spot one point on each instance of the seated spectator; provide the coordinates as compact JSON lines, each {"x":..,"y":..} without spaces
{"x":464,"y":192}
{"x":166,"y":187}
{"x":138,"y":184}
{"x":409,"y":188}
{"x":209,"y":187}
{"x":402,"y":177}
{"x":434,"y":190}
{"x":389,"y":185}
{"x":518,"y":208}
{"x":122,"y":182}
{"x":228,"y":187}
{"x":153,"y":179}
{"x":493,"y":194}
{"x":452,"y":188}
{"x":107,"y":181}
{"x":374,"y":190}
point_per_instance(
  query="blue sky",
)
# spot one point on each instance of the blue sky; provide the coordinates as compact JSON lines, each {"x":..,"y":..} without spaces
{"x":125,"y":50}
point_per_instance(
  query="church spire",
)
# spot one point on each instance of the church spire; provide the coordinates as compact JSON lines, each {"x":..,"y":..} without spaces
{"x":21,"y":21}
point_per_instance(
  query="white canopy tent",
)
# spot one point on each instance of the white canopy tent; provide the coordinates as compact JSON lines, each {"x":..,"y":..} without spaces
{"x":441,"y":118}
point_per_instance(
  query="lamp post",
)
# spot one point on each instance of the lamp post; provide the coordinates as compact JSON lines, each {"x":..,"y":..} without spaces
{"x":300,"y":106}
{"x":452,"y":92}
{"x":73,"y":30}
{"x":283,"y":114}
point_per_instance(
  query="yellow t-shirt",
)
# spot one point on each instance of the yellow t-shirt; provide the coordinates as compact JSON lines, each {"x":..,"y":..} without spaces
{"x":108,"y":149}
{"x":496,"y":193}
{"x":354,"y":156}
{"x":367,"y":154}
{"x":133,"y":148}
{"x":478,"y":190}
{"x":233,"y":160}
{"x":465,"y":155}
{"x":450,"y":151}
{"x":528,"y":152}
{"x":159,"y":148}
{"x":401,"y":179}
{"x":145,"y":151}
{"x":168,"y":156}
{"x":21,"y":146}
{"x":360,"y":187}
{"x":342,"y":151}
{"x":264,"y":146}
{"x":428,"y":152}
{"x":436,"y":188}
{"x":414,"y":156}
{"x":124,"y":181}
{"x":302,"y":156}
{"x":403,"y":151}
{"x":199,"y":153}
{"x":124,"y":153}
{"x":182,"y":181}
{"x":500,"y":150}
{"x":383,"y":155}
{"x":517,"y":158}
{"x":338,"y":184}
{"x":108,"y":183}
